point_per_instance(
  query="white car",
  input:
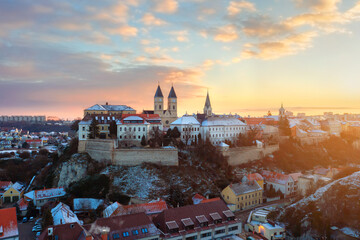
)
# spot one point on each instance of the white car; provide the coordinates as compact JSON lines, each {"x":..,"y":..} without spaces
{"x":36,"y":228}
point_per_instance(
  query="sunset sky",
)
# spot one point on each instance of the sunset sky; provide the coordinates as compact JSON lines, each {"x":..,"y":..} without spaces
{"x":59,"y":57}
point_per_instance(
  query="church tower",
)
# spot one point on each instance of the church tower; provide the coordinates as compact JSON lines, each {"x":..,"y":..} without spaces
{"x":172,"y":102}
{"x":282,"y":111}
{"x":207,"y":107}
{"x":158,"y":102}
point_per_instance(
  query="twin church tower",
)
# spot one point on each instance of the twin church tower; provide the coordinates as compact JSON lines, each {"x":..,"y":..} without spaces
{"x":168,"y":115}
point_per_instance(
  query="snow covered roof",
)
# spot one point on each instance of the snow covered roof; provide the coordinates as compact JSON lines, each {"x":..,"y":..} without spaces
{"x":254,"y":176}
{"x":275,"y":177}
{"x":133,"y":118}
{"x":245,"y":187}
{"x":62,"y":214}
{"x":98,"y":107}
{"x":5,"y":184}
{"x":108,"y":212}
{"x":197,"y":198}
{"x":222,"y":144}
{"x":222,"y":121}
{"x":23,"y":204}
{"x":186,"y":120}
{"x":17,"y":186}
{"x":46,"y":193}
{"x":295,"y":176}
{"x":85,"y":204}
{"x":8,"y":223}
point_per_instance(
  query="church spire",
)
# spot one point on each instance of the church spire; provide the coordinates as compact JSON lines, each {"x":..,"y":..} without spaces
{"x":207,"y":107}
{"x":158,"y":93}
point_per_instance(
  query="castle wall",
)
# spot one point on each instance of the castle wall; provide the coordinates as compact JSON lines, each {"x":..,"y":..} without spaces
{"x":247,"y":154}
{"x":104,"y":150}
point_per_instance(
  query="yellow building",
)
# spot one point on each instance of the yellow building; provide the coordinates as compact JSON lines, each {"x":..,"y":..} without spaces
{"x":109,"y":109}
{"x":245,"y":195}
{"x":13,"y":193}
{"x":255,"y":177}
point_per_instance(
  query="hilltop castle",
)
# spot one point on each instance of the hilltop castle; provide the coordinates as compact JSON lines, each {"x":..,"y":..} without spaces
{"x":168,"y":115}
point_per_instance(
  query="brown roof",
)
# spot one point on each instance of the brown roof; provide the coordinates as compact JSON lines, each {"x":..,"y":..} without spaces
{"x":116,"y":226}
{"x":69,"y":231}
{"x":198,"y":213}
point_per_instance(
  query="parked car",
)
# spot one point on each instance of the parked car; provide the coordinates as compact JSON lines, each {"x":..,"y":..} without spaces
{"x":31,"y":219}
{"x":25,"y":219}
{"x":36,"y":228}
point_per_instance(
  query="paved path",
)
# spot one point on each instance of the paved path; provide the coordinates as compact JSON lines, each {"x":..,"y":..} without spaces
{"x":25,"y":232}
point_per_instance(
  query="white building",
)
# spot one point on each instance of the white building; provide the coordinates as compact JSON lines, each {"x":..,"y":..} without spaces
{"x":282,"y":182}
{"x":217,"y":129}
{"x":188,"y":127}
{"x":132,"y":128}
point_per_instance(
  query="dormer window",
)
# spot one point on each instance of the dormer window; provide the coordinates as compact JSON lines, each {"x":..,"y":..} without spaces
{"x":172,"y":227}
{"x":203,"y":221}
{"x":144,"y":230}
{"x":135,"y":232}
{"x":229,"y":215}
{"x":126,"y":234}
{"x":216,"y":217}
{"x":188,"y":223}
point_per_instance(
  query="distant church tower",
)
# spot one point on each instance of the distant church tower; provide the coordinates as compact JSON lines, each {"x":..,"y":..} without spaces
{"x":172,"y":101}
{"x":207,"y":107}
{"x":282,"y":111}
{"x":158,"y":102}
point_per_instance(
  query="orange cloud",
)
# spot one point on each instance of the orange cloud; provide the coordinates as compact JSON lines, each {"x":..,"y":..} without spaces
{"x":226,"y":34}
{"x":180,"y":36}
{"x":272,"y":50}
{"x":165,"y":6}
{"x":125,"y":31}
{"x":236,"y":7}
{"x":149,"y":19}
{"x":319,"y":5}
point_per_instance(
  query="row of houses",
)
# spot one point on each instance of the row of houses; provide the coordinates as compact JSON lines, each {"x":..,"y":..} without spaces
{"x":209,"y":220}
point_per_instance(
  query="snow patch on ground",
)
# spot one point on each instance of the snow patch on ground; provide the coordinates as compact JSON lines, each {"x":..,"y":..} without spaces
{"x":351,"y":232}
{"x":137,"y":182}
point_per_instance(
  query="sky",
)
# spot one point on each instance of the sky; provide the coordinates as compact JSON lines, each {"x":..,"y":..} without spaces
{"x":60,"y":57}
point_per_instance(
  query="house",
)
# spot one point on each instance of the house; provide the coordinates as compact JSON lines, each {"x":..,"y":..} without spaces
{"x":306,"y":182}
{"x":4,"y":185}
{"x":150,"y":208}
{"x":257,"y":222}
{"x":23,"y":205}
{"x":211,"y":220}
{"x":86,"y":205}
{"x":8,"y":224}
{"x":40,"y":197}
{"x":198,"y":198}
{"x":295,"y":177}
{"x":188,"y":127}
{"x":133,"y":226}
{"x":62,"y":214}
{"x":13,"y":193}
{"x":255,"y":177}
{"x":244,"y":195}
{"x":69,"y":231}
{"x":279,"y":181}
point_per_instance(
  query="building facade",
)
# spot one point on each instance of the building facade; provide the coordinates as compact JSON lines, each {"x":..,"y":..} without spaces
{"x":244,"y":195}
{"x":98,"y":109}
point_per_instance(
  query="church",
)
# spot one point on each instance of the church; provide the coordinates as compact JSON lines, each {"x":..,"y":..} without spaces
{"x":168,"y":115}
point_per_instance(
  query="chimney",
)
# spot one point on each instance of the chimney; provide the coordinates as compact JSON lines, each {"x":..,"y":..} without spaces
{"x":50,"y":231}
{"x":107,"y":103}
{"x":104,"y":234}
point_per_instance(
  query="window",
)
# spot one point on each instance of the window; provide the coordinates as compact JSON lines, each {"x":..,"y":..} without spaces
{"x":227,"y":197}
{"x":139,"y":129}
{"x":191,"y":238}
{"x":116,"y":236}
{"x":234,"y":228}
{"x":219,"y":231}
{"x":204,"y":235}
{"x":125,"y":234}
{"x":144,"y":230}
{"x":120,"y":129}
{"x":83,"y":136}
{"x":102,"y":127}
{"x":144,"y":129}
{"x":120,"y":137}
{"x":83,"y":128}
{"x":135,"y":232}
{"x":138,"y":137}
{"x":159,"y":106}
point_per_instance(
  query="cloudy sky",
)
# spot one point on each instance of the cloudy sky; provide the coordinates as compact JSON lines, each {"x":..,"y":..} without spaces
{"x":59,"y":57}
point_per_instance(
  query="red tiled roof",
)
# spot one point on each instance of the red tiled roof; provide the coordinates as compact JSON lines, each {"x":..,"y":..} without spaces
{"x":275,"y":177}
{"x":194,"y":212}
{"x":23,"y":204}
{"x":8,"y":223}
{"x":210,"y":200}
{"x":69,"y":231}
{"x":197,"y":198}
{"x":255,"y":176}
{"x":149,"y":208}
{"x":5,"y":184}
{"x":126,"y":223}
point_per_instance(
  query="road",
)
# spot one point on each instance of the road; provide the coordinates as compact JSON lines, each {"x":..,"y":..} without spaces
{"x":25,"y":232}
